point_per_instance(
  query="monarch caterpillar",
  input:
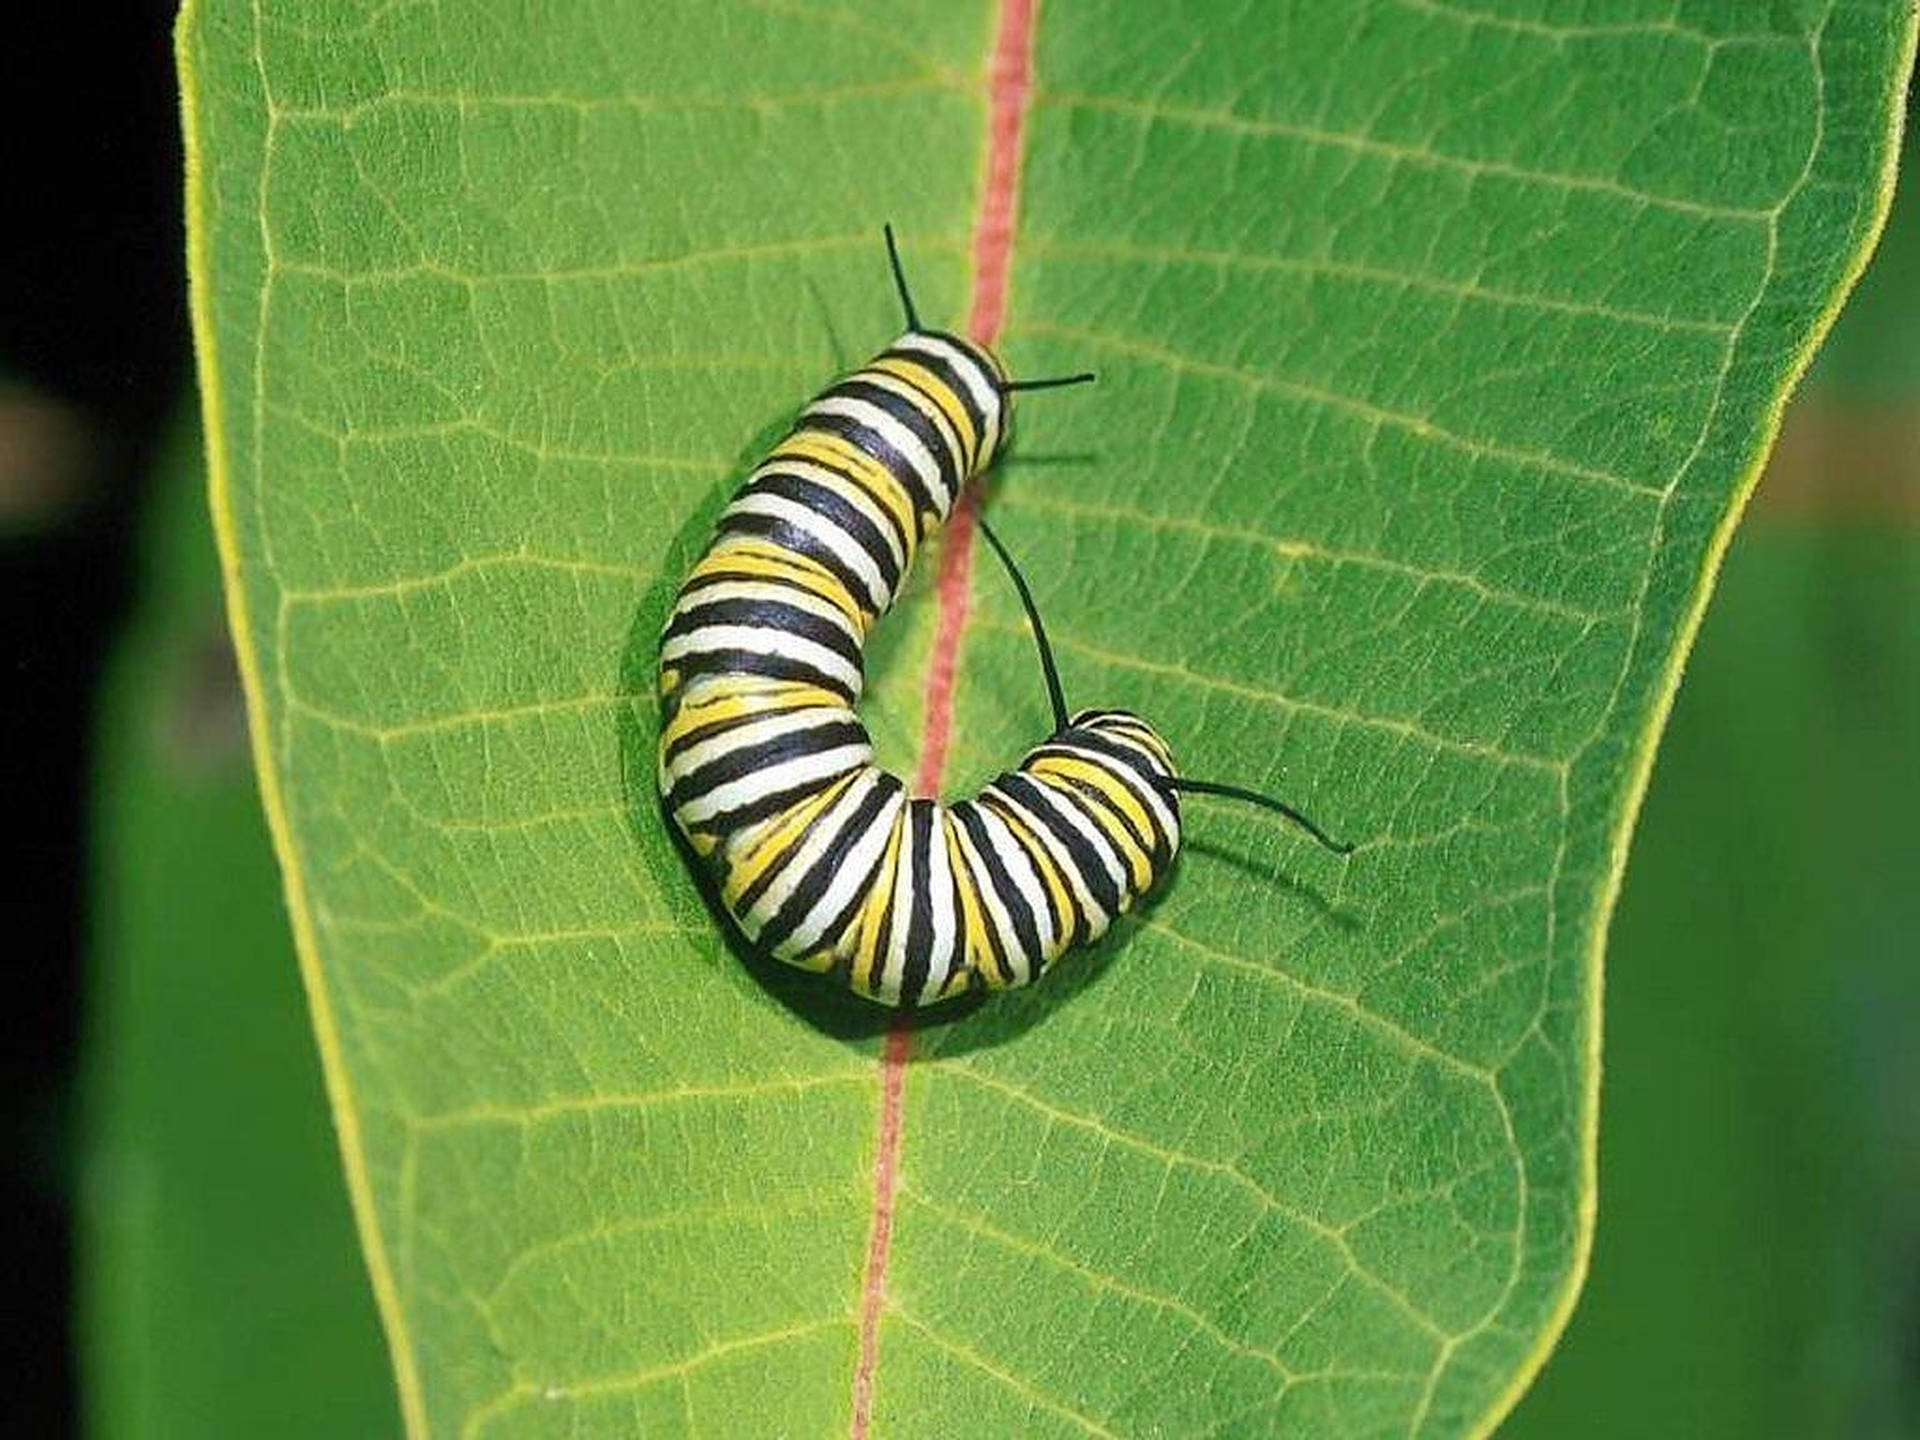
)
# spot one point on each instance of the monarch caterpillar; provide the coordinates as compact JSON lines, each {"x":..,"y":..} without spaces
{"x":820,"y":856}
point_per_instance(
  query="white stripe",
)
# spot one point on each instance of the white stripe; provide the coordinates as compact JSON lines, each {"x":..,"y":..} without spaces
{"x":1067,"y":805}
{"x":998,"y":918}
{"x":849,"y":491}
{"x":1097,"y":919}
{"x":765,"y":640}
{"x":751,"y":732}
{"x":815,"y":770}
{"x":1122,"y":734}
{"x":893,"y":965}
{"x":768,"y":591}
{"x":847,"y":549}
{"x":944,"y":906}
{"x":1134,"y":782}
{"x":923,"y":405}
{"x":701,"y":690}
{"x":980,"y":382}
{"x":788,"y":873}
{"x":849,"y":876}
{"x":1022,"y":966}
{"x":908,"y":444}
{"x":1026,"y":879}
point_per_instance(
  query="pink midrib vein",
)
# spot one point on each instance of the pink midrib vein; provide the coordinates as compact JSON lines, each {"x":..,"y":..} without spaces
{"x":1010,"y":83}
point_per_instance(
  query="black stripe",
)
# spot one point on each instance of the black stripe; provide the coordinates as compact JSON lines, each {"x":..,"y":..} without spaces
{"x":762,"y":665}
{"x":841,"y":921}
{"x":1043,"y":864}
{"x":958,"y":963}
{"x":871,"y":442}
{"x":919,"y":949}
{"x":751,"y":895}
{"x":950,"y":378}
{"x":771,"y":803}
{"x":981,"y":878}
{"x":1024,"y":790}
{"x":1153,"y":841}
{"x":822,"y":500}
{"x":1113,"y":895}
{"x":700,"y":611}
{"x":801,"y":541}
{"x":923,"y":425}
{"x":831,"y":462}
{"x":795,"y":577}
{"x":888,"y":911}
{"x":708,"y":729}
{"x":814,"y":883}
{"x":1135,"y":760}
{"x":747,"y":760}
{"x":1096,"y":804}
{"x":1125,"y":755}
{"x":778,"y":615}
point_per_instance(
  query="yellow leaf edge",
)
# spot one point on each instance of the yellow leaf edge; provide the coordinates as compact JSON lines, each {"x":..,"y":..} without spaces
{"x":339,"y":1087}
{"x":1648,"y":744}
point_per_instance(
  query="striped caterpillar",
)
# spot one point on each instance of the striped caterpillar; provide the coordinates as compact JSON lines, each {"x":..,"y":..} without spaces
{"x":821,"y":857}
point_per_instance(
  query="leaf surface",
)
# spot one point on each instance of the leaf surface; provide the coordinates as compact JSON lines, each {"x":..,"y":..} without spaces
{"x":1770,"y":864}
{"x":1438,"y":348}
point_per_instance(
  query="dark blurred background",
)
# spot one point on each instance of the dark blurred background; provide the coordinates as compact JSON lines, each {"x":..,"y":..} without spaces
{"x":93,"y":366}
{"x":180,"y":1259}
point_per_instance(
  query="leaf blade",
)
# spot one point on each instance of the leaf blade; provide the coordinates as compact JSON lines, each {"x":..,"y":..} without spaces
{"x":433,"y":578}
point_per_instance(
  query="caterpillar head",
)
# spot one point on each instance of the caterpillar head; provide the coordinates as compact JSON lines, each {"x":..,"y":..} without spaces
{"x":979,"y":380}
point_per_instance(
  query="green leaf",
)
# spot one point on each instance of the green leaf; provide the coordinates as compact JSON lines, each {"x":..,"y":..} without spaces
{"x":221,"y":1286}
{"x":1771,"y":867}
{"x":1437,"y":351}
{"x":1772,"y":864}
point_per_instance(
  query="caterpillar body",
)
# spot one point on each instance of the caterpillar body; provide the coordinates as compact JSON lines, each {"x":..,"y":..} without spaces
{"x":822,"y":857}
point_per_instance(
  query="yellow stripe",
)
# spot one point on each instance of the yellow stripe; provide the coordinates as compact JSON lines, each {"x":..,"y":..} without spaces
{"x":740,"y":703}
{"x":765,"y":560}
{"x":973,"y":914}
{"x":1052,"y":877}
{"x":946,"y":397}
{"x":1074,"y":772}
{"x":928,"y":386}
{"x":1140,"y":732}
{"x":877,"y":482}
{"x":958,"y":983}
{"x":818,"y":961}
{"x":866,"y":954}
{"x":775,"y":840}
